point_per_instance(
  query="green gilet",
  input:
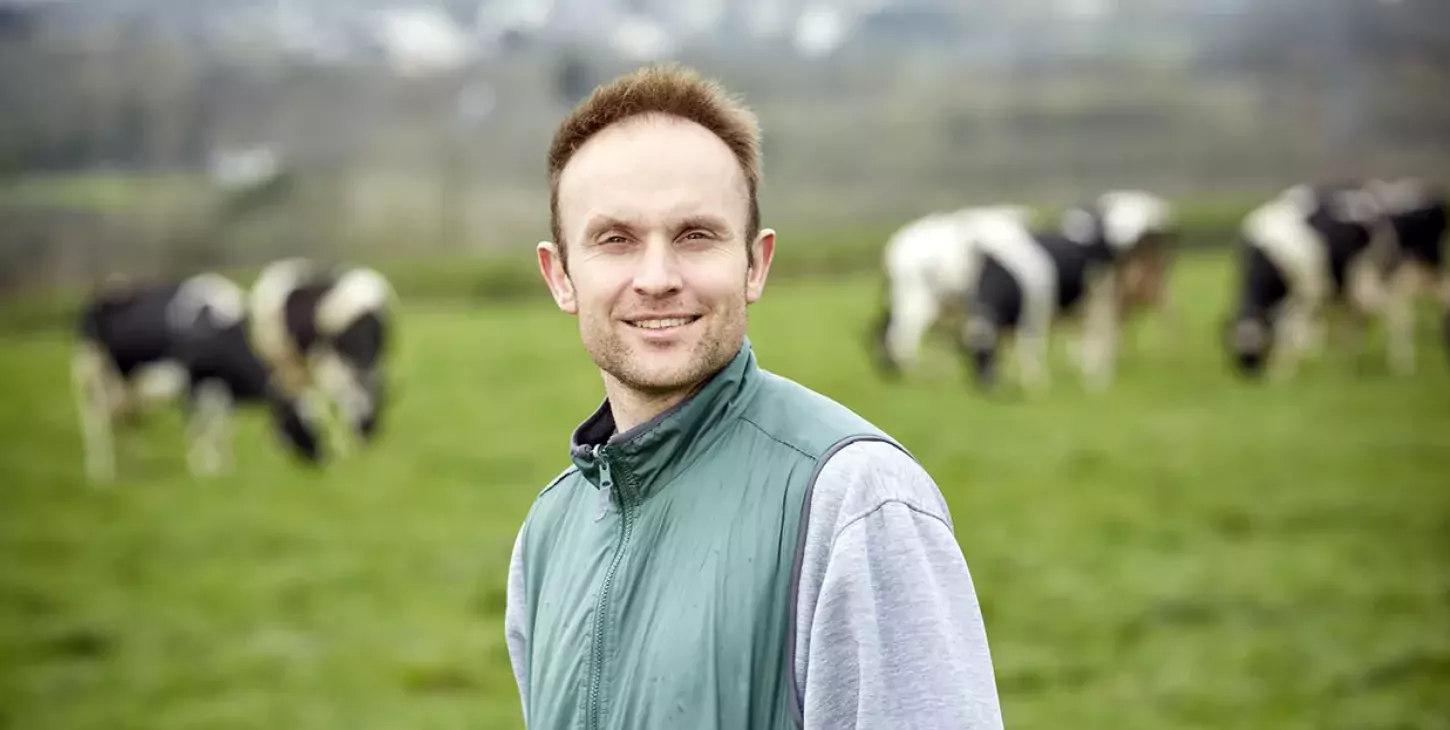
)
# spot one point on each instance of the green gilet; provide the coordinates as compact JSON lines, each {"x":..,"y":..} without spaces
{"x":659,"y":569}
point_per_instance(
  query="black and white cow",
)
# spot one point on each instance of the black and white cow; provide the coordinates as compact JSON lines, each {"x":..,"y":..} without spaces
{"x":326,"y":334}
{"x":929,"y":267}
{"x":144,"y":346}
{"x":1313,"y":250}
{"x":1030,"y":279}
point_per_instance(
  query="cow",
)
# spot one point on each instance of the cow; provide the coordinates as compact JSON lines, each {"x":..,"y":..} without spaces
{"x":1141,"y":268}
{"x":326,"y":335}
{"x":145,"y":345}
{"x":929,"y":266}
{"x":1311,"y":251}
{"x":1104,"y":257}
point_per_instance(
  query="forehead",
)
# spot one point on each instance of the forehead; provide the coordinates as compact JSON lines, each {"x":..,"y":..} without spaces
{"x":651,"y":168}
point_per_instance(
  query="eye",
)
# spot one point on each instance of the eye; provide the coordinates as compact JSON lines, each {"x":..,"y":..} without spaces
{"x":614,"y":238}
{"x":698,"y":235}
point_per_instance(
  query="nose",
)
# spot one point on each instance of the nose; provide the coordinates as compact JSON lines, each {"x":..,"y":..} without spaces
{"x":657,"y":272}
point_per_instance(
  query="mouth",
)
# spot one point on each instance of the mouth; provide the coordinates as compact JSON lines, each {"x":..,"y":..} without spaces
{"x":662,"y":324}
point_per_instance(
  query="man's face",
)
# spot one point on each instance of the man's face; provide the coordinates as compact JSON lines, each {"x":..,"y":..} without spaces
{"x":653,"y":213}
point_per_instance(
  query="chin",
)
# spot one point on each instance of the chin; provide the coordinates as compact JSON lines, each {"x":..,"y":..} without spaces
{"x":663,"y":376}
{"x":663,"y":370}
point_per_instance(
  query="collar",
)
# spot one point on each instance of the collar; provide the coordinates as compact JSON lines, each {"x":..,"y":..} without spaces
{"x":639,"y":460}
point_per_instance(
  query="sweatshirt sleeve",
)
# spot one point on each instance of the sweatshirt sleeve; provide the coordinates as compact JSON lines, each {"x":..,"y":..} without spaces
{"x":889,"y":630}
{"x":515,"y":622}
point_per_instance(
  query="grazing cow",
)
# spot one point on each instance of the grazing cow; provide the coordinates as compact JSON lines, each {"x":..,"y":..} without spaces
{"x":1105,"y":256}
{"x":929,"y":266}
{"x":1310,"y":249}
{"x":1139,"y":283}
{"x":144,"y":346}
{"x":325,"y":334}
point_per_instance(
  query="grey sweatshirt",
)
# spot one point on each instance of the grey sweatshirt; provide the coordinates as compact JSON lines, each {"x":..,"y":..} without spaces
{"x":889,"y":631}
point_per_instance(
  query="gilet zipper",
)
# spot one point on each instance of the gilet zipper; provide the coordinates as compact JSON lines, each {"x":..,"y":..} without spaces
{"x":626,"y":521}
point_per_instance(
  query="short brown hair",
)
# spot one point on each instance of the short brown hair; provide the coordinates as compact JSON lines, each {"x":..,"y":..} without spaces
{"x":667,"y":89}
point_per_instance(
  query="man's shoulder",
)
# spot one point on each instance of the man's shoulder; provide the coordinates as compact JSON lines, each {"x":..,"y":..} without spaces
{"x":553,"y":486}
{"x":864,"y":475}
{"x":805,"y":419}
{"x":550,"y":503}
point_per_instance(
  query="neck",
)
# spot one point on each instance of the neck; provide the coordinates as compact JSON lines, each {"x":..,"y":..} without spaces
{"x":631,"y":407}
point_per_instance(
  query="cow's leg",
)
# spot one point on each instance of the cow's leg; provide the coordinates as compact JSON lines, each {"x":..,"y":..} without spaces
{"x":1309,"y":293}
{"x":1351,"y":328}
{"x":1071,"y":339}
{"x":1291,"y":329}
{"x":96,"y":406}
{"x":1100,"y":334}
{"x":208,"y":429}
{"x":1030,"y":346}
{"x":1171,"y":317}
{"x":913,"y":310}
{"x":1313,"y":332}
{"x":1136,"y":289}
{"x":1399,"y":314}
{"x":981,"y":341}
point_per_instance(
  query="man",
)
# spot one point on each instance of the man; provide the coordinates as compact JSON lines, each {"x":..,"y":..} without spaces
{"x":729,"y":549}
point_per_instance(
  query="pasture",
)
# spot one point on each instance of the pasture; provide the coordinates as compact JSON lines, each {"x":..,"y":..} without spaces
{"x":1184,"y":551}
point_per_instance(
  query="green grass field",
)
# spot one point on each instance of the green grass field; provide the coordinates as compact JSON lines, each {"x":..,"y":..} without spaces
{"x":1184,"y":551}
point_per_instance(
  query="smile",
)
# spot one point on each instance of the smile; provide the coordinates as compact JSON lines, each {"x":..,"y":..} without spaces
{"x":662,"y":323}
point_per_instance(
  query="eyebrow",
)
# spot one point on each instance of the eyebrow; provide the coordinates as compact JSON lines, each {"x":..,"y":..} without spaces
{"x":605,"y":223}
{"x":707,"y":222}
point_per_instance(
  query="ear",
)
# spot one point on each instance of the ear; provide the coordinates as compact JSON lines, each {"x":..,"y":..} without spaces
{"x":764,"y":249}
{"x":551,"y":266}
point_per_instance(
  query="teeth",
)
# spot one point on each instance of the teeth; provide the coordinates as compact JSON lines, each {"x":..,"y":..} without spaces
{"x":659,"y":324}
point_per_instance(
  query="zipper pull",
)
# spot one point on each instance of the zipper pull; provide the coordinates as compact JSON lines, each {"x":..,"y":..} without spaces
{"x":606,"y":479}
{"x":606,"y":485}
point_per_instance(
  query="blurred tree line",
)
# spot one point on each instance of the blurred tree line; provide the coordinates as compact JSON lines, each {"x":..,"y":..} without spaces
{"x":918,"y":111}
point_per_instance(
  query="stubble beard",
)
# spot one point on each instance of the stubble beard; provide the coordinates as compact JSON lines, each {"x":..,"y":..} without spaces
{"x":632,"y":368}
